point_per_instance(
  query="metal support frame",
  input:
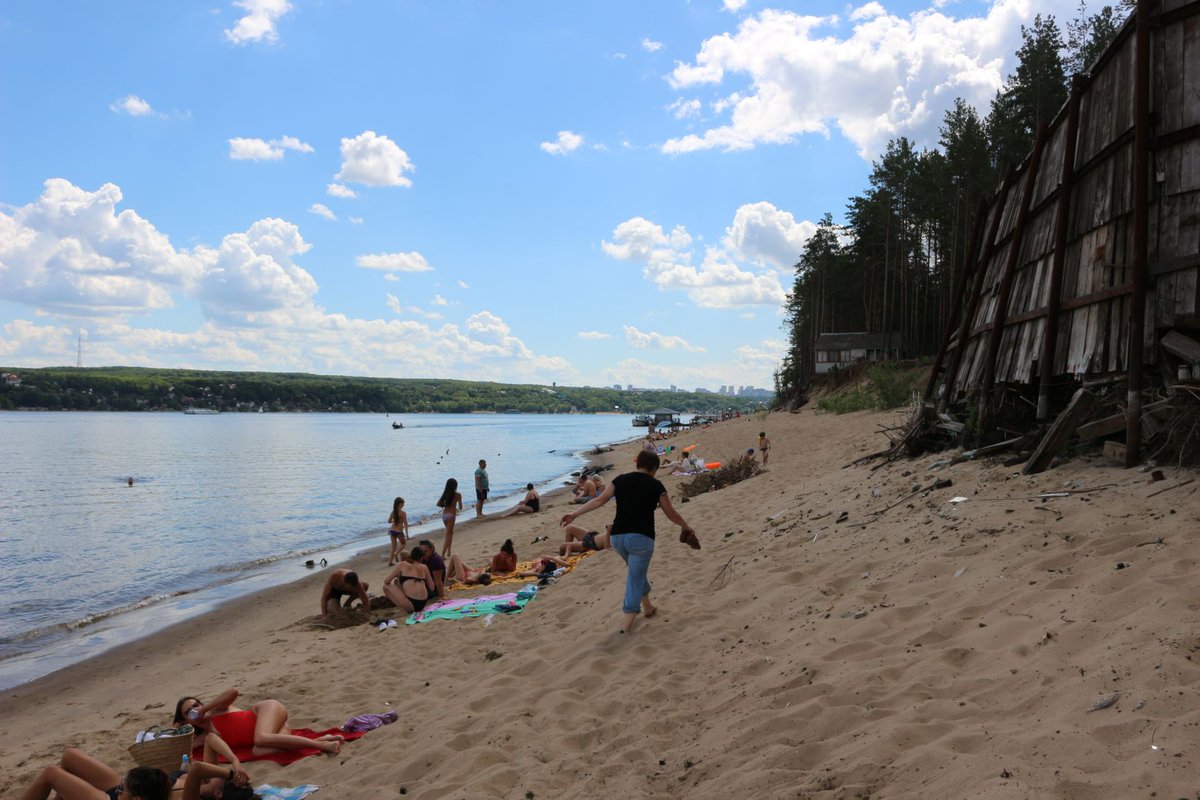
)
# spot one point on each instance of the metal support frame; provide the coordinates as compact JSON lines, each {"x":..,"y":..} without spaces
{"x":1141,"y":218}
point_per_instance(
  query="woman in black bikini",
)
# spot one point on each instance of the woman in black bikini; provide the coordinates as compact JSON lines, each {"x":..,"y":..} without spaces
{"x":409,"y":585}
{"x":531,"y":504}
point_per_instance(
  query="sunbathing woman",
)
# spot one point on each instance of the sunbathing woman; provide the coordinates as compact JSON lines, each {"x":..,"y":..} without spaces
{"x":457,"y":570}
{"x":580,"y":540}
{"x":79,"y":776}
{"x":409,"y":585}
{"x":543,"y":566}
{"x":263,"y":728}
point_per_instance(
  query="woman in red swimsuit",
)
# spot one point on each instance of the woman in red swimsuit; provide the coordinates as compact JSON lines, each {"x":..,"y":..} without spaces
{"x":263,"y":728}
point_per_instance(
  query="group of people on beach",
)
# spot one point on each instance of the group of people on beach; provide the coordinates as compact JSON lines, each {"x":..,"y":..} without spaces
{"x":417,"y":577}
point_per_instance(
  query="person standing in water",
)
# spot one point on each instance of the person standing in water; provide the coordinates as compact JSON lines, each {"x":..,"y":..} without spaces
{"x":481,"y":487}
{"x":398,"y":532}
{"x":450,"y":503}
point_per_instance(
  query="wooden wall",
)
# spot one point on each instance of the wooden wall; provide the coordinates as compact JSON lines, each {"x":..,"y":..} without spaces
{"x":1092,"y":334}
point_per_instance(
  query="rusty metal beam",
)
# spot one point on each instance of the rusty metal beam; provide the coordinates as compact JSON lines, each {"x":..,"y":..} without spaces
{"x":1141,"y":239}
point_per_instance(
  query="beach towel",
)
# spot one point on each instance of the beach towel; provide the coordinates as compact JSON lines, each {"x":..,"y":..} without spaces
{"x":465,"y":607}
{"x":269,"y":792}
{"x":369,"y":722}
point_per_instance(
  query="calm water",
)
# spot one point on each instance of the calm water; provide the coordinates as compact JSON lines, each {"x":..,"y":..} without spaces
{"x":222,"y":505}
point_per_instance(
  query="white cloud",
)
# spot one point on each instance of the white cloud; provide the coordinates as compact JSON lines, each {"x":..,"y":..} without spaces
{"x":374,"y":160}
{"x":642,"y":340}
{"x":322,"y":210}
{"x":399,"y":309}
{"x":651,"y":46}
{"x":71,"y":254}
{"x":733,"y":6}
{"x":438,"y":300}
{"x":682,"y":109}
{"x":258,"y":23}
{"x":887,"y":76}
{"x":666,"y":262}
{"x":767,"y":235}
{"x":462,"y":285}
{"x":134,"y":106}
{"x":618,"y":56}
{"x":340,"y":190}
{"x":394,"y":262}
{"x":566,"y":142}
{"x":242,"y":149}
{"x":868,"y":11}
{"x":355,"y":220}
{"x":593,"y":335}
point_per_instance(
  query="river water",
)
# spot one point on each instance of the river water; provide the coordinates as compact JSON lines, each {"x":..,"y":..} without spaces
{"x":225,"y":504}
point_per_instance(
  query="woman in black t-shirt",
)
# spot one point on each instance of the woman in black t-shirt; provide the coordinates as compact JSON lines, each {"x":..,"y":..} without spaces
{"x":638,"y":494}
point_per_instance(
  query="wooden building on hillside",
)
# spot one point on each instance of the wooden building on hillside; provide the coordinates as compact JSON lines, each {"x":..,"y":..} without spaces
{"x":836,"y":351}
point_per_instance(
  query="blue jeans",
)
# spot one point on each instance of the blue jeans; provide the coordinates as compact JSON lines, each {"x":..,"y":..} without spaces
{"x":635,"y":550}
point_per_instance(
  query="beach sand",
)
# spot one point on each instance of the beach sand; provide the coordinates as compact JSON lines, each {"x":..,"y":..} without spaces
{"x":941,"y":650}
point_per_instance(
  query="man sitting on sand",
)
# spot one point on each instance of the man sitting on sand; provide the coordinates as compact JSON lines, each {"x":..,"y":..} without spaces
{"x":580,"y":540}
{"x":343,"y":583}
{"x":437,"y":566}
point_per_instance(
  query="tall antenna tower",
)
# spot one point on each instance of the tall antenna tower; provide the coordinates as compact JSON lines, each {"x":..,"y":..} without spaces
{"x":79,"y":346}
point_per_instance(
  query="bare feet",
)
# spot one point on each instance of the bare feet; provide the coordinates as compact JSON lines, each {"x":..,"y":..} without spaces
{"x":649,"y":611}
{"x":330,"y":743}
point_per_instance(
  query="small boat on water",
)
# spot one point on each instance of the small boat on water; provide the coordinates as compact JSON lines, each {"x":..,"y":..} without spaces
{"x":201,"y":411}
{"x":397,"y":426}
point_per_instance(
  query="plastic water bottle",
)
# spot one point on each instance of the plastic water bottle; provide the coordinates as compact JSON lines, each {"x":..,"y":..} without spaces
{"x":184,"y":763}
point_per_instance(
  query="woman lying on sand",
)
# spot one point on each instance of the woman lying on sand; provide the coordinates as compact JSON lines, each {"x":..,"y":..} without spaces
{"x":580,"y":539}
{"x":632,"y":534}
{"x":457,"y":570}
{"x":79,"y":776}
{"x":544,"y":566}
{"x":264,"y":727}
{"x":409,"y":585}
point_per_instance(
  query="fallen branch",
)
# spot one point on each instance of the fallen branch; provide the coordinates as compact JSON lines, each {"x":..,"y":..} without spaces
{"x":1169,"y":488}
{"x":724,"y":575}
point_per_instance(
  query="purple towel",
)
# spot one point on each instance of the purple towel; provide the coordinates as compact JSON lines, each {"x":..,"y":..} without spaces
{"x":369,"y":722}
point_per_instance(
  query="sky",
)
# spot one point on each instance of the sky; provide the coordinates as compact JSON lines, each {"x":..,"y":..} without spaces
{"x":583,"y":193}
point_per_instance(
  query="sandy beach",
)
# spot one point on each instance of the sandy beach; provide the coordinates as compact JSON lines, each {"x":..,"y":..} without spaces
{"x":812,"y":649}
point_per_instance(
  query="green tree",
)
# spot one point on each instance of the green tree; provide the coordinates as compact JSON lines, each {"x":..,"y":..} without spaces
{"x":1089,"y":34}
{"x":1032,"y":94}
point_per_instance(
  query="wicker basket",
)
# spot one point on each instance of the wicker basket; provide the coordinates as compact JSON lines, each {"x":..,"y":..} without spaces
{"x":166,"y":750}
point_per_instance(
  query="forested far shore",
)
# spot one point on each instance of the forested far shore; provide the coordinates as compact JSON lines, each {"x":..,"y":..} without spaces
{"x":145,"y":389}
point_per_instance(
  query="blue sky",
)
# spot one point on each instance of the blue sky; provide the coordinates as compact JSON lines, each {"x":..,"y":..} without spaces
{"x":584,"y":193}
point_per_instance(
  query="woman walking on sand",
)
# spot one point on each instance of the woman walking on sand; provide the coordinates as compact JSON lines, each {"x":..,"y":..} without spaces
{"x":450,"y":503}
{"x":638,"y":494}
{"x":398,"y":532}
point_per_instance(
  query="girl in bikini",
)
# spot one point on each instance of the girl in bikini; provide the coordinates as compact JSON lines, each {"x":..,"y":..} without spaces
{"x":457,"y":570}
{"x":409,"y":585}
{"x":398,"y":532}
{"x":450,"y":503}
